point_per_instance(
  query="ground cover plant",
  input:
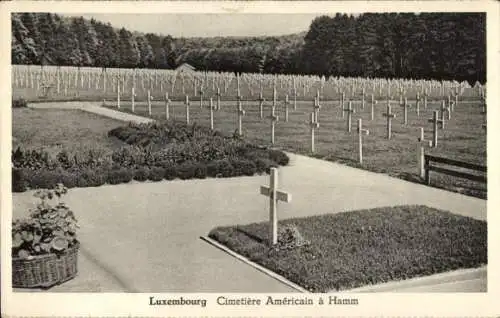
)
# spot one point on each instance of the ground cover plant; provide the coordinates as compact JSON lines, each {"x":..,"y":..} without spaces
{"x":157,"y":151}
{"x":352,"y":249}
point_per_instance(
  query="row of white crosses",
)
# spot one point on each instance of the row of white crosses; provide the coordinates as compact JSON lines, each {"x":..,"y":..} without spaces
{"x":314,"y":122}
{"x":288,"y":82}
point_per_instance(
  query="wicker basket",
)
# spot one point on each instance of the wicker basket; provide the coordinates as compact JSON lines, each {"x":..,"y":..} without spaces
{"x":45,"y":270}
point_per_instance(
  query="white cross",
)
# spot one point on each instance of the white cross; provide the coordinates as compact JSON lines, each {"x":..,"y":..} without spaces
{"x":349,"y":111}
{"x":313,"y":124}
{"x":361,"y":131}
{"x":422,"y":142}
{"x":435,"y":120}
{"x":187,"y":109}
{"x":167,"y":106}
{"x":389,"y":116}
{"x":274,"y":195}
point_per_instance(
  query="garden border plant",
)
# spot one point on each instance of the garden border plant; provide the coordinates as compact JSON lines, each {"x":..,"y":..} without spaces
{"x":154,"y":151}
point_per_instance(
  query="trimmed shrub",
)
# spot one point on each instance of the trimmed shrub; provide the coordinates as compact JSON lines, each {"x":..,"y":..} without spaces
{"x":44,"y":179}
{"x":244,"y":167}
{"x":117,"y":176}
{"x":279,"y":157}
{"x":186,"y":170}
{"x":220,"y":168}
{"x":18,"y":180}
{"x":69,"y":178}
{"x":200,"y":171}
{"x":141,"y":174}
{"x":156,"y":174}
{"x":93,"y":178}
{"x":19,"y":103}
{"x":170,"y":172}
{"x":264,"y":165}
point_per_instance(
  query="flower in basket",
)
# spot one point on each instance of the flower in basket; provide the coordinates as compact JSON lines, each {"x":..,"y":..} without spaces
{"x":51,"y":227}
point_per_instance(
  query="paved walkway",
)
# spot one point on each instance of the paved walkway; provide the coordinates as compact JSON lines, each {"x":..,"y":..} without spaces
{"x":93,"y":107}
{"x":144,"y":237}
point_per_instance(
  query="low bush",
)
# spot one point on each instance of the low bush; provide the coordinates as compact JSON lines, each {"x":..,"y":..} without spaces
{"x":200,"y":171}
{"x":141,"y":174}
{"x":186,"y":170}
{"x":44,"y":178}
{"x":93,"y":177}
{"x":19,"y":103}
{"x":264,"y":165}
{"x":220,"y":168}
{"x":156,"y":174}
{"x":244,"y":167}
{"x":18,"y":180}
{"x":278,"y":156}
{"x":170,"y":172}
{"x":156,"y":151}
{"x":121,"y":175}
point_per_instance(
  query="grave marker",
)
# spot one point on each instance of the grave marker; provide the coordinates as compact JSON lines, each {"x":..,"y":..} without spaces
{"x":349,"y":112}
{"x":444,"y":108}
{"x":187,"y":109}
{"x":241,"y":113}
{"x":435,"y":120}
{"x":118,"y":97}
{"x":274,"y":118}
{"x":149,"y":102}
{"x":261,"y":104}
{"x":132,"y":97}
{"x":294,"y":95}
{"x":342,"y":102}
{"x":363,"y":99}
{"x":425,"y":98}
{"x":417,"y":104}
{"x":167,"y":106}
{"x":422,"y":142}
{"x":373,"y":103}
{"x":361,"y":131}
{"x":313,"y":124}
{"x":211,"y":115}
{"x":286,"y":107}
{"x":316,"y":108}
{"x":201,"y":97}
{"x":218,"y":98}
{"x":405,"y":111}
{"x":389,"y":117}
{"x":274,"y":195}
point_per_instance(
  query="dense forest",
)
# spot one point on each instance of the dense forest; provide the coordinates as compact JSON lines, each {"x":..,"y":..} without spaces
{"x":390,"y":45}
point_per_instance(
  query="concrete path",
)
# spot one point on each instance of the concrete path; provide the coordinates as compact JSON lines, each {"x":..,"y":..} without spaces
{"x":93,"y":107}
{"x":144,"y":237}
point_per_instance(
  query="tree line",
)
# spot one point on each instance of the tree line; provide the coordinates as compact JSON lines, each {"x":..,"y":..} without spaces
{"x":443,"y":46}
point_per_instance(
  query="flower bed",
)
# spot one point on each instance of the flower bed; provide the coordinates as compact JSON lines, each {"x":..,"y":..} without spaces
{"x":156,"y":151}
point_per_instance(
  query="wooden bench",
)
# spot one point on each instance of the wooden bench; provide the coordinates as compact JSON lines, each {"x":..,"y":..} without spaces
{"x":456,"y":163}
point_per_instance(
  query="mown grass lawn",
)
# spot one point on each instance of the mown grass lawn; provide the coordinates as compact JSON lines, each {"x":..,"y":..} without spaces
{"x":463,"y":137}
{"x":352,"y":249}
{"x":57,"y":129}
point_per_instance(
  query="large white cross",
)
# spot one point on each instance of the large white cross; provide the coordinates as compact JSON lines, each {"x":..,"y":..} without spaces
{"x":274,"y":195}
